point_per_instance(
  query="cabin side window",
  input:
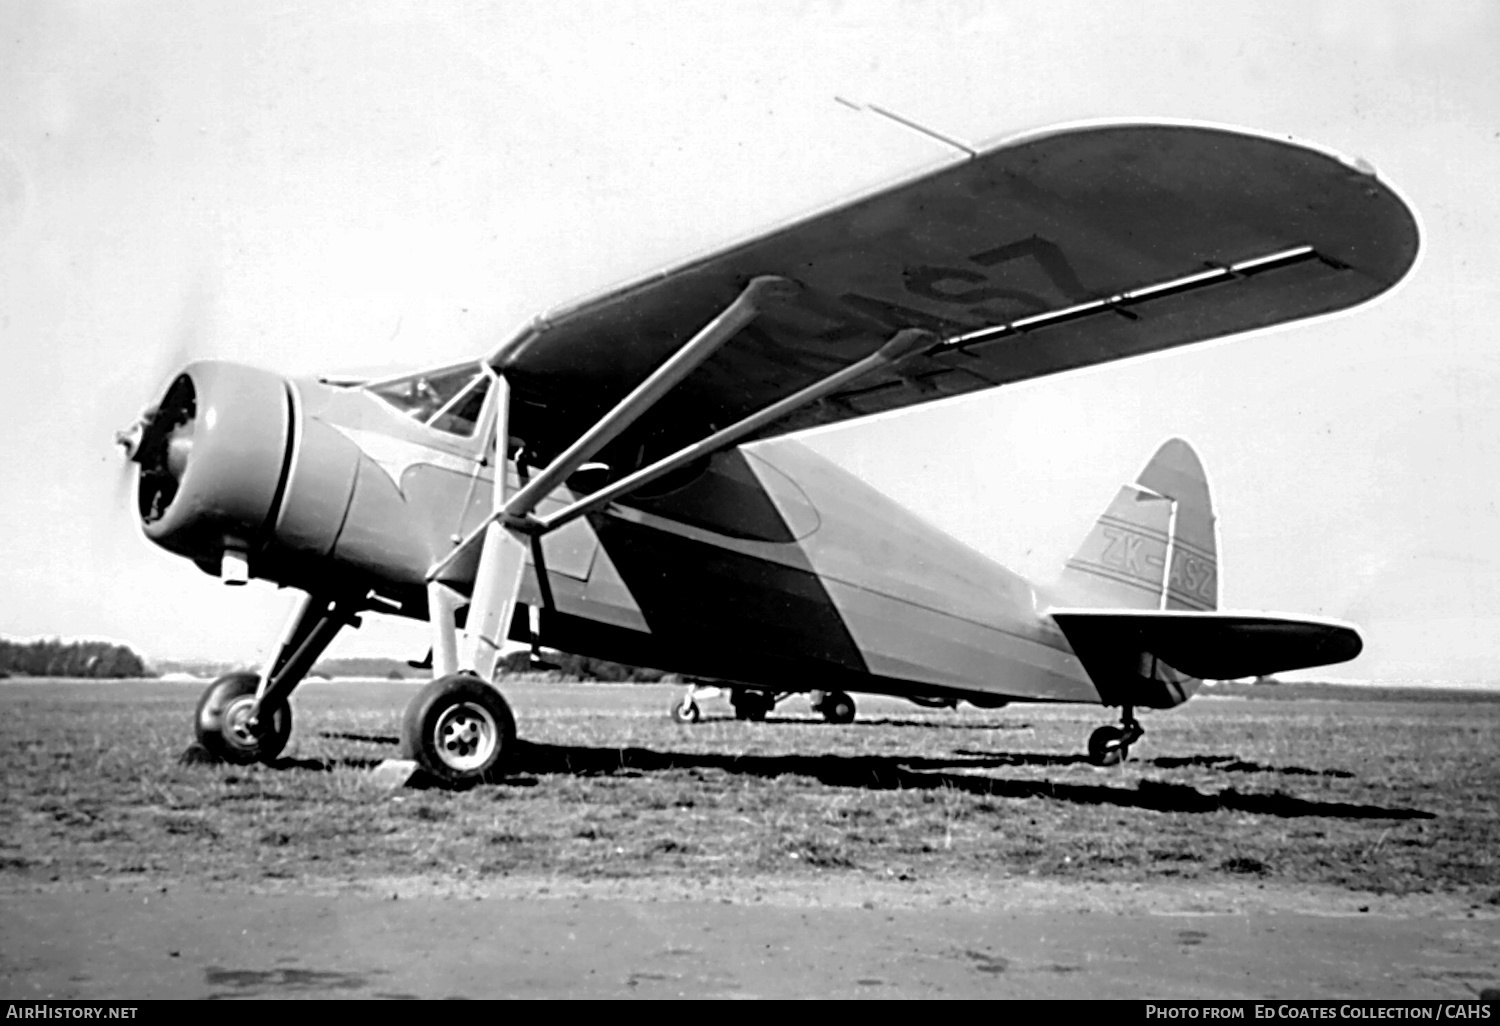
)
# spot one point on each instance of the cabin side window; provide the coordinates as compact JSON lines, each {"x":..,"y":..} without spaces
{"x":461,"y":415}
{"x":447,"y":400}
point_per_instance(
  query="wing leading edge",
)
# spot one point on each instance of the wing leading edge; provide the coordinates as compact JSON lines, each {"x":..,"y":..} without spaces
{"x":1040,"y":255}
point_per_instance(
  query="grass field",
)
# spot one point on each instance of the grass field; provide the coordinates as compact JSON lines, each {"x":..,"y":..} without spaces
{"x":1387,"y":792}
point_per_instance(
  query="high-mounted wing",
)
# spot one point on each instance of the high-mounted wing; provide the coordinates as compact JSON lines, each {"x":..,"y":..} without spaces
{"x":1050,"y":252}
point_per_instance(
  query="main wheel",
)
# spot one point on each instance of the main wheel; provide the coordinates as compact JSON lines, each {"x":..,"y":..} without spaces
{"x":1107,"y":746}
{"x":685,"y":711}
{"x":222,"y":722}
{"x":837,"y":707}
{"x":459,"y":730}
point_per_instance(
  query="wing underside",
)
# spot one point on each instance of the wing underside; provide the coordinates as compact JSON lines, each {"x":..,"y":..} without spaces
{"x":1054,"y":252}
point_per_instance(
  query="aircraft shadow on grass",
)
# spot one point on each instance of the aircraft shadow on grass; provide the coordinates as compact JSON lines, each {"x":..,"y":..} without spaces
{"x":1234,"y":764}
{"x":1219,"y":763}
{"x":891,"y":773}
{"x":374,"y":739}
{"x":196,"y":755}
{"x":323,"y":765}
{"x":880,"y":721}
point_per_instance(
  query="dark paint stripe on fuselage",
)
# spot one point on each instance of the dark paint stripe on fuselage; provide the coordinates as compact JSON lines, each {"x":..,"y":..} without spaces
{"x":751,"y":618}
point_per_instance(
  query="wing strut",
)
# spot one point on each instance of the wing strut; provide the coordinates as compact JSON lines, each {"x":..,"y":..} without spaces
{"x":760,"y":293}
{"x":901,"y":345}
{"x":505,"y":535}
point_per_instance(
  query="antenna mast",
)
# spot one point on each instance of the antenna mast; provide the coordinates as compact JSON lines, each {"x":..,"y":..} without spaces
{"x":906,"y":122}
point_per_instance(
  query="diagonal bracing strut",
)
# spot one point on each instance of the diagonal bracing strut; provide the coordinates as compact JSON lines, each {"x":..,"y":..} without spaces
{"x":900,"y":346}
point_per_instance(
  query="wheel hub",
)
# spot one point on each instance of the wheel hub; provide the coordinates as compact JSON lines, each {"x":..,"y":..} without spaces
{"x":466,"y":736}
{"x":237,"y":728}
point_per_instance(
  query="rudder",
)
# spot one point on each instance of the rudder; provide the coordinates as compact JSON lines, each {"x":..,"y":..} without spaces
{"x":1167,"y":515}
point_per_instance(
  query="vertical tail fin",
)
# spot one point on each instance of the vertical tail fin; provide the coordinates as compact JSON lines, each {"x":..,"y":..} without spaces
{"x":1165,"y":519}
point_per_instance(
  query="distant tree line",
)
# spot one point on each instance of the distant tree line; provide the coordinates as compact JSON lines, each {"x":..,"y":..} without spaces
{"x":565,"y":664}
{"x":581,"y":667}
{"x":53,"y":657}
{"x":204,"y":669}
{"x":100,"y":659}
{"x":570,"y":666}
{"x":356,"y":666}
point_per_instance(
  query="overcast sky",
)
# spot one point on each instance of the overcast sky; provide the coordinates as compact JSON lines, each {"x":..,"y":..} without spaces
{"x":322,"y":186}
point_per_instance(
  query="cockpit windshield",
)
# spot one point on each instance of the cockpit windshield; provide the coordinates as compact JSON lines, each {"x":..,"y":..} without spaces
{"x":447,"y":400}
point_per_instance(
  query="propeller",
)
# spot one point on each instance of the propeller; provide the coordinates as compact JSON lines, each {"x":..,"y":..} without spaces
{"x":123,"y":478}
{"x":139,"y":441}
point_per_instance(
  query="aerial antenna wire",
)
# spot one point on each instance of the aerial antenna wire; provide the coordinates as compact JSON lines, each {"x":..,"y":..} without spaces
{"x":909,"y":123}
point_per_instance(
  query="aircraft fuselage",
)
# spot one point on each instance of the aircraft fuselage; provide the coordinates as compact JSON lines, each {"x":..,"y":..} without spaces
{"x":765,"y":565}
{"x":770,"y":566}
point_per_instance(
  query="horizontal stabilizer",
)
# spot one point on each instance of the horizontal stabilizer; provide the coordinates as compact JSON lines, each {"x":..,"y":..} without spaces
{"x":1207,"y":645}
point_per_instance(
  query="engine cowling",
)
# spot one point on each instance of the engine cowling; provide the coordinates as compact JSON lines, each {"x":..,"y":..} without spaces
{"x":214,"y":455}
{"x":248,"y":473}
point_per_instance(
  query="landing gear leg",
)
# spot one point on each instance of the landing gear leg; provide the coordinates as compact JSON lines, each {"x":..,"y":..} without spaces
{"x":458,"y":728}
{"x":245,"y":717}
{"x":1109,"y":746}
{"x":448,"y":729}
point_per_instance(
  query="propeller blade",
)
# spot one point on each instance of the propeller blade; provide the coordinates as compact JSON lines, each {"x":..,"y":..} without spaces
{"x":124,"y":481}
{"x":144,"y":382}
{"x":190,"y":336}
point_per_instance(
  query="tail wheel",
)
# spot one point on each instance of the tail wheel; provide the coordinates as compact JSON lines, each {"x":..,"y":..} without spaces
{"x":837,"y":707}
{"x":1108,"y":747}
{"x":685,"y":711}
{"x":459,"y":729}
{"x":222,"y":722}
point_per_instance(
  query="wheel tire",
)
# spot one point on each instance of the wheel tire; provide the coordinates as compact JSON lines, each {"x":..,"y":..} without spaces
{"x":1105,"y":747}
{"x":459,"y":729}
{"x":220,"y":722}
{"x":837,"y":707}
{"x":685,"y":711}
{"x":750,"y":705}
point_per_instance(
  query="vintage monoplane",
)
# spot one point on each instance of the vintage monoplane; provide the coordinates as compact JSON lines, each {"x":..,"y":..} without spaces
{"x":589,"y":485}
